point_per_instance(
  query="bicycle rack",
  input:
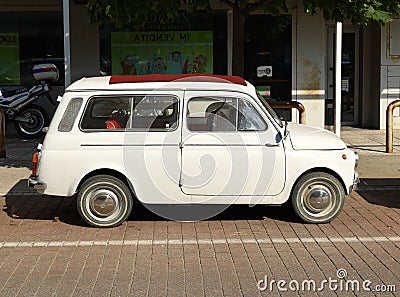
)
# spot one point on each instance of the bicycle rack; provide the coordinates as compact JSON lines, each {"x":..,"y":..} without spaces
{"x":389,"y":125}
{"x":291,"y":104}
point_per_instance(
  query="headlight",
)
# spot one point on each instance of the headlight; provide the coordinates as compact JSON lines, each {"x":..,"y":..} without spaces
{"x":357,"y":157}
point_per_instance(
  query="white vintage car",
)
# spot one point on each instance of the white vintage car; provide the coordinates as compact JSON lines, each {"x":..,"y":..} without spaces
{"x":186,"y":140}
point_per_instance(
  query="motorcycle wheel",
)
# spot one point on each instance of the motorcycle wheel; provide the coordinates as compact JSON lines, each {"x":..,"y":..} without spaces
{"x":39,"y":117}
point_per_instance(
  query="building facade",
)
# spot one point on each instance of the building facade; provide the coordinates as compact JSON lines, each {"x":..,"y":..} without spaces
{"x":290,"y":57}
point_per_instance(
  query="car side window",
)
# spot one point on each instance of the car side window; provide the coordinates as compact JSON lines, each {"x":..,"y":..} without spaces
{"x":154,"y":113}
{"x":110,"y":113}
{"x":249,"y":118}
{"x":212,"y":114}
{"x":223,"y":115}
{"x":138,"y":113}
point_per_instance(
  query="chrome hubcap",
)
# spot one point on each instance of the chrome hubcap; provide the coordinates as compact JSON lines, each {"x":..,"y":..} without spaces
{"x":317,"y":198}
{"x":103,"y":202}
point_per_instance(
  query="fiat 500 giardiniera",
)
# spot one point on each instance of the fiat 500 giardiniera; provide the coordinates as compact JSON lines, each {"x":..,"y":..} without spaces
{"x":186,"y":140}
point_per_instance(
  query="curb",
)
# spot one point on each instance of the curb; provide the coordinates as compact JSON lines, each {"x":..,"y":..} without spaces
{"x":22,"y":193}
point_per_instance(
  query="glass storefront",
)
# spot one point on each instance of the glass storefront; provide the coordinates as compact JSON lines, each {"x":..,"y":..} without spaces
{"x":349,"y":79}
{"x":27,"y":39}
{"x":268,"y":57}
{"x":268,"y":49}
{"x":194,"y":44}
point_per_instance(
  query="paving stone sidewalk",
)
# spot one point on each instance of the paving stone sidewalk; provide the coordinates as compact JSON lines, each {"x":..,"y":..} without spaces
{"x":46,"y":249}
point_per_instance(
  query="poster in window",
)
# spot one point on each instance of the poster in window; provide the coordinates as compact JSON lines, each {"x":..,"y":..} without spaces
{"x":170,"y":52}
{"x":9,"y":59}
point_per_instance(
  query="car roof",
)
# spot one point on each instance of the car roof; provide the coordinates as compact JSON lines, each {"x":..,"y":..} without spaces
{"x":194,"y":77}
{"x":161,"y":81}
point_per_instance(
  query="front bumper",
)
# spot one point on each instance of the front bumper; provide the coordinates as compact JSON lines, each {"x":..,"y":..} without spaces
{"x":39,"y":186}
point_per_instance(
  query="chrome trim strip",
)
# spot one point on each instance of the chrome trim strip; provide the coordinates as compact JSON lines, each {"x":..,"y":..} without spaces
{"x":122,"y":145}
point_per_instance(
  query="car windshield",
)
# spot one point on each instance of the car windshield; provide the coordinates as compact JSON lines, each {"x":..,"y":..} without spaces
{"x":270,"y":110}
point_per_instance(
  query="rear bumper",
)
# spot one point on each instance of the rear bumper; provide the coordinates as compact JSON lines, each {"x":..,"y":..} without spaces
{"x":356,"y":181}
{"x":34,"y":183}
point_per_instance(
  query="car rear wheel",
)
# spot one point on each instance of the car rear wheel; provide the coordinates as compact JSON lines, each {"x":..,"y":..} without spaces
{"x":104,"y":201}
{"x":318,"y":197}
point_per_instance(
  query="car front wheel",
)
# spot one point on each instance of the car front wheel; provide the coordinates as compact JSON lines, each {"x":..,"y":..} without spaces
{"x":104,"y":201}
{"x":318,"y":197}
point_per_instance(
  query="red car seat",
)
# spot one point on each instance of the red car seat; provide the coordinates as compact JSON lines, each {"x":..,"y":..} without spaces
{"x":112,"y":124}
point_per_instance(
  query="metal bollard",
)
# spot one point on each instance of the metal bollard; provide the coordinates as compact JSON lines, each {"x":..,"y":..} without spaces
{"x":389,"y":125}
{"x":291,"y":104}
{"x":2,"y":134}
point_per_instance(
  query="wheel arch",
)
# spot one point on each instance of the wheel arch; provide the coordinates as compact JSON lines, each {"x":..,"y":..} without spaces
{"x":108,"y":171}
{"x":319,"y":169}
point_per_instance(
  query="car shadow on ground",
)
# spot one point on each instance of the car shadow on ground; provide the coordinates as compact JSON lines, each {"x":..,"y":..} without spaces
{"x":19,"y":151}
{"x":381,"y":191}
{"x":30,"y":205}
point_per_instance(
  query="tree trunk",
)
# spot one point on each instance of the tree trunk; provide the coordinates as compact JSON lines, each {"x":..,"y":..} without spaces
{"x":238,"y":42}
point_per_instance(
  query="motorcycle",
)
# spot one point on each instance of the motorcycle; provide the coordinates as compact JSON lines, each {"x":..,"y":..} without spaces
{"x":19,"y":105}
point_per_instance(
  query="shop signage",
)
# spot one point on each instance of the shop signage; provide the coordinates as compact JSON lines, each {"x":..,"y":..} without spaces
{"x":264,"y":71}
{"x":172,"y":52}
{"x":9,"y":59}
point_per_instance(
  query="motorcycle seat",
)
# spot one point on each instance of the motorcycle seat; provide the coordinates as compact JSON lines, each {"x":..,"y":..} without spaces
{"x":9,"y":93}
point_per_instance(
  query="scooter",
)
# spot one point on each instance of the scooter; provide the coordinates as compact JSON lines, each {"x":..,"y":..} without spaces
{"x":19,"y":105}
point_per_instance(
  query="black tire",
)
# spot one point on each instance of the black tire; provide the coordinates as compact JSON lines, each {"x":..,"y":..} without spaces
{"x":318,"y":197}
{"x":104,"y":201}
{"x":40,"y":120}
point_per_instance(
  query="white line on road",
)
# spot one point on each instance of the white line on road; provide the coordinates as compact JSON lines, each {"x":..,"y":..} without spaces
{"x":273,"y":240}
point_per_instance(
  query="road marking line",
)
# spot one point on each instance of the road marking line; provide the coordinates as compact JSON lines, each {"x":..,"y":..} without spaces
{"x":147,"y":242}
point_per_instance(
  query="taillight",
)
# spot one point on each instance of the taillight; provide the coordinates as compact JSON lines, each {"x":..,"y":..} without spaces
{"x":35,"y":161}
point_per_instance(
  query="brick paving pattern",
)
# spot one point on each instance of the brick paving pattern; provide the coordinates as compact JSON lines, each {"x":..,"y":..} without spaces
{"x":46,"y":250}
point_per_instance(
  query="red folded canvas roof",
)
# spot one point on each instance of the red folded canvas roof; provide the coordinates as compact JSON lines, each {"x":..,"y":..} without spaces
{"x":116,"y":79}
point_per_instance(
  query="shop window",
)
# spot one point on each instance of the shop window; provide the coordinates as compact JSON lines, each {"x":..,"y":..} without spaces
{"x":268,"y":48}
{"x":27,"y":39}
{"x":195,"y":44}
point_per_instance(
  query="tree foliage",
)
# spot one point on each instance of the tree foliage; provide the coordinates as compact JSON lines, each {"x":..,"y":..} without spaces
{"x":123,"y":13}
{"x":136,"y":13}
{"x":357,"y":11}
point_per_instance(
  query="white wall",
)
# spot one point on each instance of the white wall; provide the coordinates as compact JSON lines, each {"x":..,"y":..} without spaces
{"x":390,"y":70}
{"x":309,"y":70}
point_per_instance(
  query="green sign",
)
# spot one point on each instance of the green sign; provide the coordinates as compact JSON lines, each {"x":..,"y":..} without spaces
{"x":9,"y":59}
{"x":172,"y":52}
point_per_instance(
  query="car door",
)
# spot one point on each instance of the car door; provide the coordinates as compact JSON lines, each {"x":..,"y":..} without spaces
{"x":229,"y":147}
{"x":151,"y":152}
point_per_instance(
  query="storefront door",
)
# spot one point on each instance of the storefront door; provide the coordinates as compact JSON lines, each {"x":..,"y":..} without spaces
{"x":350,"y":76}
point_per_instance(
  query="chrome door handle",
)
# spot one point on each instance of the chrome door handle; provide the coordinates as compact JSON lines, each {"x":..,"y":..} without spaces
{"x":272,"y":144}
